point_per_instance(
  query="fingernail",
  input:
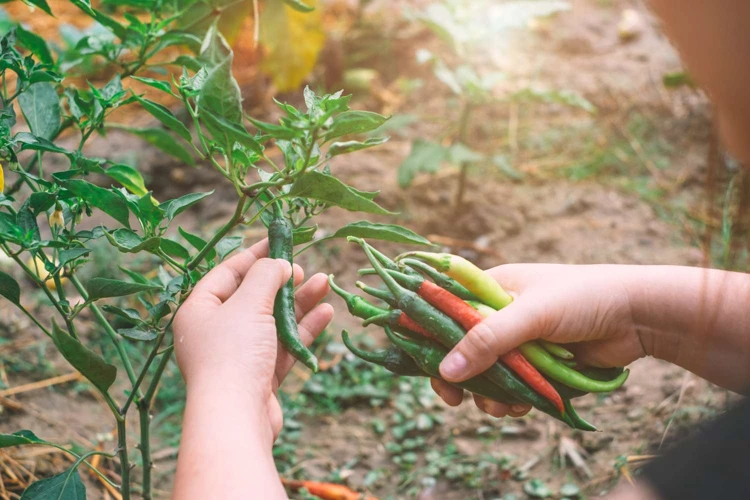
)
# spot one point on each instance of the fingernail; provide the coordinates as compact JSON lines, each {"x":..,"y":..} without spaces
{"x":454,"y":365}
{"x":517,"y":408}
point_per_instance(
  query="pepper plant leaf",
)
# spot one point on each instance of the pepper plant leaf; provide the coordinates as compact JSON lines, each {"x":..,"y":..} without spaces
{"x":338,"y":148}
{"x":129,"y":177}
{"x":303,"y":235}
{"x":386,"y":232}
{"x":71,"y":254}
{"x":35,"y":44}
{"x":175,"y":207}
{"x":355,"y":122}
{"x":64,"y":486}
{"x":165,"y":116}
{"x":128,"y":241}
{"x":41,"y":108}
{"x":100,"y":288}
{"x":103,"y":199}
{"x":228,"y":245}
{"x":100,"y":373}
{"x":9,"y":288}
{"x":20,"y":438}
{"x":329,"y":189}
{"x":162,"y":139}
{"x":174,"y":249}
{"x":425,"y":156}
{"x":138,"y":333}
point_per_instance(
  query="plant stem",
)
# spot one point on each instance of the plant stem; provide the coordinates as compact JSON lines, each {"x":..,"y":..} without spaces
{"x":463,"y":132}
{"x":122,"y":451}
{"x":143,"y":373}
{"x":219,"y":235}
{"x":111,"y":333}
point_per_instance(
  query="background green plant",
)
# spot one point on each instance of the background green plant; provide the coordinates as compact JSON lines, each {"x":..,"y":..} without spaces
{"x":44,"y":213}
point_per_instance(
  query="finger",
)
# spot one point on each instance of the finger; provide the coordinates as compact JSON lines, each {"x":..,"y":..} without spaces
{"x":223,"y":280}
{"x":260,"y":284}
{"x":298,"y":275}
{"x":310,"y":294}
{"x":518,"y":410}
{"x":516,"y":277}
{"x":492,"y":408}
{"x":496,"y":335}
{"x":309,"y":328}
{"x":452,"y":395}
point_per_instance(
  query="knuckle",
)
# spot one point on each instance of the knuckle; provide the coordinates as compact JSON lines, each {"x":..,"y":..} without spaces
{"x":481,"y":340}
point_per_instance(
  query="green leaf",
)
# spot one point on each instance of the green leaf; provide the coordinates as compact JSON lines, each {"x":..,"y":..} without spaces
{"x":142,"y":334}
{"x":29,"y":141}
{"x":157,"y":84}
{"x":228,"y":245}
{"x":299,"y":5}
{"x":100,"y":288}
{"x":165,"y":116}
{"x":118,"y":29}
{"x":100,"y":373}
{"x":425,"y":156}
{"x":459,"y":153}
{"x":26,"y":220}
{"x":175,"y":249}
{"x":354,"y":122}
{"x":220,"y":92}
{"x":103,"y":199}
{"x":329,"y":189}
{"x":228,"y":133}
{"x":64,"y":486}
{"x":197,"y":242}
{"x":161,"y":139}
{"x":672,"y":80}
{"x":35,"y":44}
{"x":128,"y":241}
{"x":503,"y":164}
{"x":303,"y":235}
{"x":275,"y":131}
{"x":137,"y":277}
{"x":175,"y":207}
{"x":570,"y":490}
{"x":41,"y":201}
{"x":129,"y":315}
{"x":19,"y":438}
{"x":537,"y":489}
{"x":129,"y":177}
{"x":9,"y":288}
{"x":338,"y":148}
{"x":42,"y":4}
{"x":385,"y":232}
{"x":71,"y":254}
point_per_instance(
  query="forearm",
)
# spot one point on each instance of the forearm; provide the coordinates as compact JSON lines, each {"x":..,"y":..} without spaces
{"x":695,"y":318}
{"x":226,"y":446}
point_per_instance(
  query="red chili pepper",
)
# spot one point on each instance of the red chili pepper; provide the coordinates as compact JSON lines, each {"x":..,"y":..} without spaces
{"x":326,"y":491}
{"x":468,"y":318}
{"x":408,"y":323}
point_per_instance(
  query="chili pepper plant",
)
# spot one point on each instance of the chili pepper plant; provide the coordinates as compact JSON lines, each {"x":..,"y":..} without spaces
{"x":463,"y":29}
{"x":51,"y":214}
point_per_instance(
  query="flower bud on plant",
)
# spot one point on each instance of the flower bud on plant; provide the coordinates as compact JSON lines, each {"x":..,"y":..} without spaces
{"x":56,"y":220}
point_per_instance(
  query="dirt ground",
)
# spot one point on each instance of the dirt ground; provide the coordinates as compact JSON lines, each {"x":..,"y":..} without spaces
{"x":549,"y":217}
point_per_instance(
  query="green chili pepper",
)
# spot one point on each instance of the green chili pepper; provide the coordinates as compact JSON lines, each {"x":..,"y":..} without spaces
{"x":556,"y":349}
{"x":428,"y":357}
{"x":281,"y":246}
{"x":558,"y":369}
{"x":576,"y":419}
{"x":481,"y":284}
{"x":392,"y":359}
{"x":442,"y":280}
{"x":378,"y":293}
{"x":449,"y":333}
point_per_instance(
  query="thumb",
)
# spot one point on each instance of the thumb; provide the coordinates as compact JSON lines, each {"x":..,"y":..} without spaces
{"x":262,"y":281}
{"x":493,"y":337}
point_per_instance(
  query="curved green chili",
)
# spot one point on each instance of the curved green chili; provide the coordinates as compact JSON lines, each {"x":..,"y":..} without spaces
{"x":428,"y":357}
{"x":392,"y":359}
{"x":281,"y":246}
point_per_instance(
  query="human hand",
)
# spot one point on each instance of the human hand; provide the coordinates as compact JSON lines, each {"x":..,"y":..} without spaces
{"x":225,"y":334}
{"x":586,"y":307}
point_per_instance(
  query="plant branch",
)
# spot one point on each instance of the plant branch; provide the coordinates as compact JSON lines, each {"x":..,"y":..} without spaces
{"x":111,"y":333}
{"x":122,"y":451}
{"x":219,"y":235}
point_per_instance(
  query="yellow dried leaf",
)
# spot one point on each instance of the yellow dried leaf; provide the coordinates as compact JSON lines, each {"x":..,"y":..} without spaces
{"x":292,"y":41}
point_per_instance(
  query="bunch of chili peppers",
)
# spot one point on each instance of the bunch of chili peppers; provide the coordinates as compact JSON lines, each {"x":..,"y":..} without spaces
{"x":434,"y":299}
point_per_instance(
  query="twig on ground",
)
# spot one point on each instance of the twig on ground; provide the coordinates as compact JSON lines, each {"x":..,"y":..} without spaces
{"x":61,"y":379}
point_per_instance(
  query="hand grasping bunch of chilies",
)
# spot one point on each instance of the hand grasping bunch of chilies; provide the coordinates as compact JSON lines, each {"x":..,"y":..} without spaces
{"x":434,"y":300}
